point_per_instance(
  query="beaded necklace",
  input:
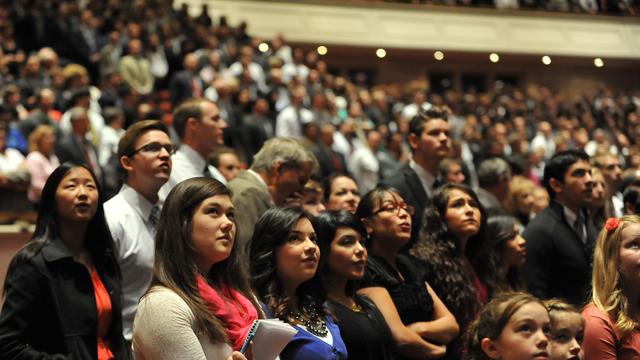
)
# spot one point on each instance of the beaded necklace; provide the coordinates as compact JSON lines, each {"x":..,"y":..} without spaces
{"x":314,"y":323}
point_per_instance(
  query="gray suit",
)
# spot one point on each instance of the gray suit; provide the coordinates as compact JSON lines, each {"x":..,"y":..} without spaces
{"x":251,"y":199}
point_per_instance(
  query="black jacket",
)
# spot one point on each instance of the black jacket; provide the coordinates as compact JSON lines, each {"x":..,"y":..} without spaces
{"x":50,"y":309}
{"x":558,"y":263}
{"x":408,"y":184}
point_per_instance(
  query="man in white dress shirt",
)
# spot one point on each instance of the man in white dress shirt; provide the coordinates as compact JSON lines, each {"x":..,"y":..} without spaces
{"x":145,"y":156}
{"x":201,"y":128}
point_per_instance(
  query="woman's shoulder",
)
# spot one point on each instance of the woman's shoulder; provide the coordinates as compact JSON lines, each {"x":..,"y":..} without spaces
{"x":165,"y":301}
{"x":592,"y":312}
{"x":377,"y":273}
{"x":159,"y":293}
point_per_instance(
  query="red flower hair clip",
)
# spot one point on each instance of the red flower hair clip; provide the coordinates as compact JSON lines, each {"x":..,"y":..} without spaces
{"x":612,"y":224}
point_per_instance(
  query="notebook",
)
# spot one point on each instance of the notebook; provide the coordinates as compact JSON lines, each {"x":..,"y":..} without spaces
{"x":268,"y":338}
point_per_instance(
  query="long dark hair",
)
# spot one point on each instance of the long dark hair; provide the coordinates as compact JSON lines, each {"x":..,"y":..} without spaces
{"x":326,"y":225}
{"x":500,"y":229}
{"x":175,"y":266}
{"x":447,"y":269}
{"x":270,"y":233}
{"x":97,"y":239}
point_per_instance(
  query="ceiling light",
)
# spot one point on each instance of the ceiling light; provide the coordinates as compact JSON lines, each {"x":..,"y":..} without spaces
{"x":598,"y":62}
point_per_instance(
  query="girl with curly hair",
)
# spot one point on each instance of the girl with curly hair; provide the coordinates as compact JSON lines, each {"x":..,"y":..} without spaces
{"x":612,"y":326}
{"x":448,"y":246}
{"x":284,"y":257}
{"x":394,"y":282}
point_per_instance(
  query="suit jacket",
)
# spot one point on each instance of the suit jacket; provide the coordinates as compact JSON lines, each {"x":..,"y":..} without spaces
{"x":408,"y":184}
{"x":251,"y":199}
{"x":181,"y":88}
{"x":70,"y":149}
{"x":255,"y":133}
{"x":50,"y":308}
{"x":136,"y":71}
{"x":558,"y":263}
{"x":330,"y":161}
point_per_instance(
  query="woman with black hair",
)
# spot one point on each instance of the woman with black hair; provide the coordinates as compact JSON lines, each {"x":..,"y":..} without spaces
{"x":344,"y":257}
{"x":341,"y":192}
{"x":62,"y":293}
{"x":503,"y":257}
{"x":448,"y":246}
{"x":284,"y":257}
{"x":395,"y":284}
{"x":200,"y":304}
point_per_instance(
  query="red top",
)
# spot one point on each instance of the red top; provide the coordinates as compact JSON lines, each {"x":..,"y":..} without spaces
{"x":103,"y":304}
{"x":602,"y":342}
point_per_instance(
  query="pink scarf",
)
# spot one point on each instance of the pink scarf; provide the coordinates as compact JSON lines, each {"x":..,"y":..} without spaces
{"x":234,"y":309}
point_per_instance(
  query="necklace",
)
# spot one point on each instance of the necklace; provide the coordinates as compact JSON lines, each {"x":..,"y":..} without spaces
{"x":353,"y":306}
{"x":312,"y":321}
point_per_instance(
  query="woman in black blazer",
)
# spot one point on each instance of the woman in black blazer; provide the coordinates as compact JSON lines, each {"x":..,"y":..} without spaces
{"x":62,"y":292}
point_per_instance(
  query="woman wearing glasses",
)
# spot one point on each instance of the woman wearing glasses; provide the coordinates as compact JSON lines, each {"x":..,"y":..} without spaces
{"x":449,"y":246}
{"x":395,"y":284}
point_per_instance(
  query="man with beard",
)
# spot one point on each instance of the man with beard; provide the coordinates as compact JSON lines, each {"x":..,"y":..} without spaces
{"x":560,"y":239}
{"x":276,"y":178}
{"x":144,"y":152}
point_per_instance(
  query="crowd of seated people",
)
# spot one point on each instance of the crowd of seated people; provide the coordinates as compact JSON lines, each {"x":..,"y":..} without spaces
{"x":477,"y":197}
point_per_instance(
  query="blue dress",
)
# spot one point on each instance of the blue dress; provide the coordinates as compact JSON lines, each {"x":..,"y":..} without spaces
{"x":306,"y":346}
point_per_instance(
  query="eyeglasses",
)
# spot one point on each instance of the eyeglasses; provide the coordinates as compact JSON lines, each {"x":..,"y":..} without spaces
{"x":392,"y":208}
{"x":156,"y":147}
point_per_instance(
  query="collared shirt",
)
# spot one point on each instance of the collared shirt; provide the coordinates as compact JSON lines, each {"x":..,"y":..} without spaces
{"x":572,"y":217}
{"x":425,"y":177}
{"x":289,"y":121}
{"x":618,"y":204}
{"x":127,"y":215}
{"x":187,"y":164}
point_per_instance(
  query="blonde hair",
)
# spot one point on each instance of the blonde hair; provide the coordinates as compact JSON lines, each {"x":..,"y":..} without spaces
{"x":517,"y":186}
{"x":37,"y":134}
{"x":608,"y":296}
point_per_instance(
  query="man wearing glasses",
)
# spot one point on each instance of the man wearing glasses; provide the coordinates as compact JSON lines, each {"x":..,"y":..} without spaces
{"x":144,"y":152}
{"x":201,"y":129}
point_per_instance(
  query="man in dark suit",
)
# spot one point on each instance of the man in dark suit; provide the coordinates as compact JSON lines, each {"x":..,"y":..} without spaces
{"x":330,"y":161}
{"x":186,"y":83}
{"x":258,"y":128}
{"x":276,"y":178}
{"x":430,"y":143}
{"x":560,"y":240}
{"x":74,"y":146}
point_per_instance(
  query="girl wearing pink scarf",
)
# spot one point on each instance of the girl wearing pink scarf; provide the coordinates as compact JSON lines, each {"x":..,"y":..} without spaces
{"x":200,"y":304}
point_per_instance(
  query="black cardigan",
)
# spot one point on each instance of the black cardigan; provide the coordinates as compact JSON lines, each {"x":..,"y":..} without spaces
{"x":50,"y":309}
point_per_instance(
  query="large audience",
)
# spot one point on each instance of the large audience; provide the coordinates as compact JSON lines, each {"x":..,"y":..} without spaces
{"x":208,"y":180}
